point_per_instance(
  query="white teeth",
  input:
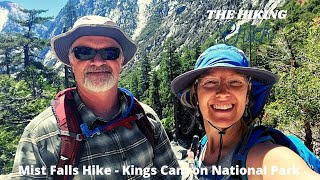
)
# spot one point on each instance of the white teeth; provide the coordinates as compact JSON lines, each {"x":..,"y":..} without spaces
{"x":222,"y":107}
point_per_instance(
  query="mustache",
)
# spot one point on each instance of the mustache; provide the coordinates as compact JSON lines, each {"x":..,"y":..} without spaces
{"x":102,"y":68}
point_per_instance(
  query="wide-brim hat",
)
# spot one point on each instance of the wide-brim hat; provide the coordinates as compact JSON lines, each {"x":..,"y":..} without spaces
{"x":225,"y":56}
{"x":92,"y":26}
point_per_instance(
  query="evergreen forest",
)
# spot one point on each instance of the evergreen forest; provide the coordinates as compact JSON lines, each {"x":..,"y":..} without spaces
{"x":290,"y":48}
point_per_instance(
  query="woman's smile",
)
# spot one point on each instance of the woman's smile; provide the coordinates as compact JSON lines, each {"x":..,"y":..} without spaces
{"x":222,"y":107}
{"x":222,"y":96}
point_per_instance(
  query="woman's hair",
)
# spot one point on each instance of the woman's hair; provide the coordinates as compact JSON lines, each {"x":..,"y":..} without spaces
{"x":189,"y":96}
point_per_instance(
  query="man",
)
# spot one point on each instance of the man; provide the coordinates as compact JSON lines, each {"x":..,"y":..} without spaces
{"x":112,"y":145}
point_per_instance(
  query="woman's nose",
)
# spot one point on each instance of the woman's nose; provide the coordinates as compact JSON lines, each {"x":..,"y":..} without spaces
{"x":223,"y":91}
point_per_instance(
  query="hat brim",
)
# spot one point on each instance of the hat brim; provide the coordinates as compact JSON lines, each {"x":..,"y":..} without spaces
{"x":184,"y":80}
{"x":60,"y":44}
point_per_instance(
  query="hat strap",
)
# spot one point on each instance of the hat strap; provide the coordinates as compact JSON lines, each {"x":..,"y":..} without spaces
{"x":221,"y":132}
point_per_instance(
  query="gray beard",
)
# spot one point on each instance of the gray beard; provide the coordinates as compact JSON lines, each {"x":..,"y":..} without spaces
{"x":99,"y":84}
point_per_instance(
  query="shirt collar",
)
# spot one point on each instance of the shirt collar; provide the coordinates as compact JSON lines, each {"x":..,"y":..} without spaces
{"x":89,"y":117}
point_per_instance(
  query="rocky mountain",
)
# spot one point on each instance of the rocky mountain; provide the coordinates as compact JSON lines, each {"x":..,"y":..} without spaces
{"x":151,"y":22}
{"x":125,"y":13}
{"x":10,"y":11}
{"x":148,"y":22}
{"x":187,"y":21}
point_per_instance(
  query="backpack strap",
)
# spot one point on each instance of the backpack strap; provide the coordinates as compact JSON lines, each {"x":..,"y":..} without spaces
{"x":203,"y":142}
{"x":136,"y":114}
{"x":144,"y":124}
{"x":67,"y":117}
{"x":253,"y":136}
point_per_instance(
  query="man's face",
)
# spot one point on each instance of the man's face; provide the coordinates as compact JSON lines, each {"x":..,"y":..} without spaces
{"x":96,"y":74}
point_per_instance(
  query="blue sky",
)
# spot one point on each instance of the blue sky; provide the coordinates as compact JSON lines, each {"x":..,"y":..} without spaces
{"x":53,"y":6}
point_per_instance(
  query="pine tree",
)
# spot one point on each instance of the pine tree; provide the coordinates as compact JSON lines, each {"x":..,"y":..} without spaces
{"x":7,"y":48}
{"x":170,"y":68}
{"x":145,"y":69}
{"x":28,"y":40}
{"x":155,"y":93}
{"x":134,"y":84}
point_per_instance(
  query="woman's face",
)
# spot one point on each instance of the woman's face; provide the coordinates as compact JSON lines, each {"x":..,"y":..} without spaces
{"x":222,"y":96}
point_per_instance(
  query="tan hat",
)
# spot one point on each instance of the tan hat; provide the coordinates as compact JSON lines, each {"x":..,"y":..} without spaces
{"x":92,"y":26}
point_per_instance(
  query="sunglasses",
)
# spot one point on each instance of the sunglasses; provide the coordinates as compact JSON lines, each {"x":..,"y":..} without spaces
{"x":233,"y":84}
{"x":87,"y":53}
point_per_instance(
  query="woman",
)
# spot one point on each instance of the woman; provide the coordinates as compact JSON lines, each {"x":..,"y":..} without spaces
{"x":230,"y":95}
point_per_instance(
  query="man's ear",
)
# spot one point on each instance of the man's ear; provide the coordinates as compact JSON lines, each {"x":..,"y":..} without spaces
{"x":71,"y":66}
{"x":121,"y":64}
{"x":122,"y":61}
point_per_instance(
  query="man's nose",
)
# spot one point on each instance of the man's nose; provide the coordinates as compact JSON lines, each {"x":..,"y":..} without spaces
{"x":98,"y":60}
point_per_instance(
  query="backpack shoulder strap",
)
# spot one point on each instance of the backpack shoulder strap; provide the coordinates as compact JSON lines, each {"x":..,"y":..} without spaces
{"x":253,"y":136}
{"x":202,"y":143}
{"x":144,"y":124}
{"x":65,"y":111}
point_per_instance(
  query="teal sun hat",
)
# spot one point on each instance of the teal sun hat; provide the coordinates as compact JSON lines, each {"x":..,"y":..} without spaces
{"x":226,"y":56}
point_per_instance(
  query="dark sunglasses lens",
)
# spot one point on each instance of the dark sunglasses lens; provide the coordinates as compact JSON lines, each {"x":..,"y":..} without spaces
{"x":84,"y":53}
{"x":110,"y":53}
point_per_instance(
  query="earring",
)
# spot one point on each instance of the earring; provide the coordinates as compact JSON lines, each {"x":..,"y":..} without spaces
{"x":197,"y":112}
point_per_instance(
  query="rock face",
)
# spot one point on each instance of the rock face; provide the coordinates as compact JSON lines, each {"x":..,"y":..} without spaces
{"x":148,"y":22}
{"x":9,"y":11}
{"x":125,"y":13}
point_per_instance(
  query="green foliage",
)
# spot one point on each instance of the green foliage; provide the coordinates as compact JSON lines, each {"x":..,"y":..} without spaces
{"x":134,"y":85}
{"x":155,"y":94}
{"x":302,"y":12}
{"x":215,"y":38}
{"x":7,"y":47}
{"x":294,"y":56}
{"x":188,"y":59}
{"x":39,"y":79}
{"x":8,"y":142}
{"x":169,"y":69}
{"x":168,"y":124}
{"x":17,"y":107}
{"x":144,"y":78}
